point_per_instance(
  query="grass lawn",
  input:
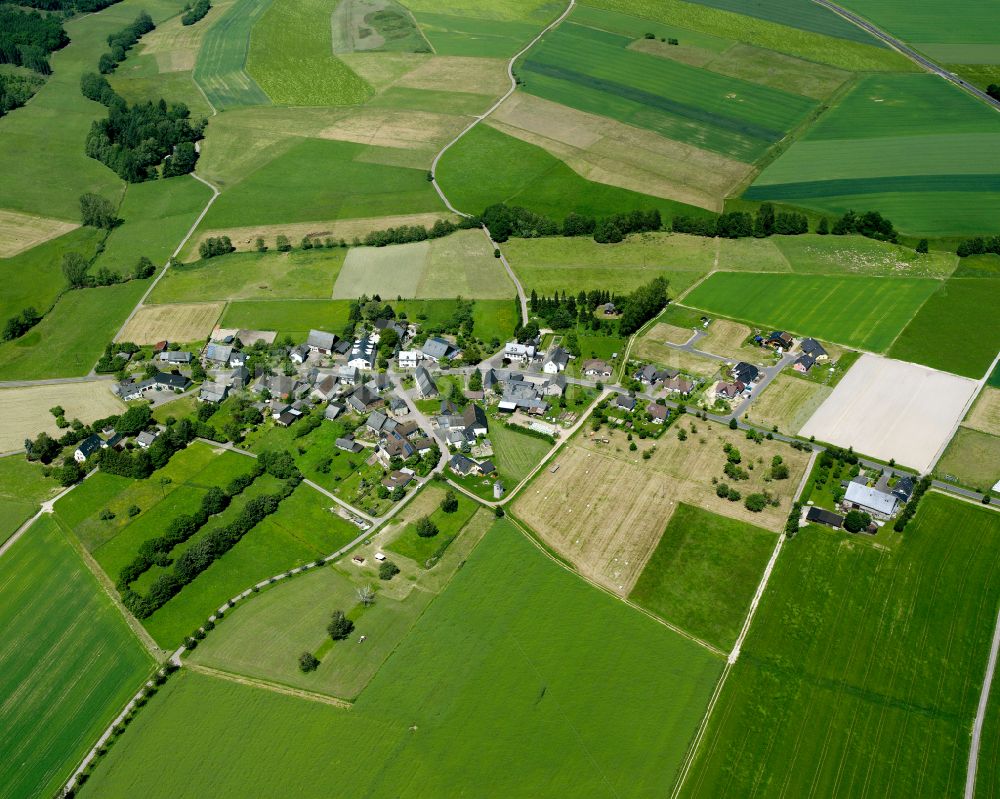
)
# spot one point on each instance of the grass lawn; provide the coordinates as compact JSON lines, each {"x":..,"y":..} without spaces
{"x":302,"y":530}
{"x":850,"y":654}
{"x":972,"y":458}
{"x":954,"y":313}
{"x":514,"y":660}
{"x":704,"y":572}
{"x":857,"y":311}
{"x":288,"y":317}
{"x":420,"y":550}
{"x":22,"y":488}
{"x":291,"y":57}
{"x":515,"y":453}
{"x":319,"y":179}
{"x":68,"y":665}
{"x":857,"y":255}
{"x":178,"y":408}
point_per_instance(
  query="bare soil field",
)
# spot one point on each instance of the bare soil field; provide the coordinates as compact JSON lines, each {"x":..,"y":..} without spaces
{"x":244,"y":238}
{"x":382,"y":127}
{"x":788,"y":402}
{"x":726,"y":338}
{"x":174,"y":322}
{"x":651,"y":348}
{"x":24,"y":412}
{"x":604,"y":508}
{"x":892,"y":409}
{"x":20,"y":232}
{"x":985,"y":414}
{"x":616,"y":154}
{"x":672,"y":334}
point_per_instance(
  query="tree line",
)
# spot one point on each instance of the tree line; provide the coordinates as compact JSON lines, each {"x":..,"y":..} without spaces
{"x":193,"y":13}
{"x":124,"y":40}
{"x":68,"y":6}
{"x":979,"y":246}
{"x":505,"y":221}
{"x":214,"y":246}
{"x":16,"y":90}
{"x":27,"y":38}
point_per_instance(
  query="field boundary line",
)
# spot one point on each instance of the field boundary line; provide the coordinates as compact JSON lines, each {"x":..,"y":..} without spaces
{"x":48,"y":506}
{"x":267,"y":685}
{"x":977,"y":726}
{"x":699,"y":736}
{"x":981,"y":384}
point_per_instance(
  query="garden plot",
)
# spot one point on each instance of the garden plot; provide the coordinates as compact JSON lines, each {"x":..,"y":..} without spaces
{"x":604,"y":507}
{"x":20,"y":232}
{"x":893,"y":410}
{"x":25,"y":411}
{"x":177,"y":322}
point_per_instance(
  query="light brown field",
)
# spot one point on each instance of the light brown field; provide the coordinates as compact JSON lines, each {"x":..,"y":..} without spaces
{"x":778,"y":71}
{"x":459,"y":74}
{"x":725,"y":338}
{"x":243,"y":238}
{"x":685,"y":53}
{"x":605,"y":508}
{"x":616,"y":154}
{"x":177,"y":322}
{"x":788,"y":402}
{"x":671,"y":333}
{"x":24,"y":412}
{"x":985,"y":414}
{"x":381,"y":127}
{"x":20,"y":232}
{"x":175,"y":46}
{"x":651,"y":347}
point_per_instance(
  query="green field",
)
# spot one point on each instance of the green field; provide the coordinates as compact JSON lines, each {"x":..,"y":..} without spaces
{"x":515,"y":659}
{"x":322,"y":180}
{"x":487,"y":166}
{"x":382,"y":26}
{"x":291,"y":57}
{"x":455,"y":35}
{"x":954,"y":313}
{"x":850,"y":655}
{"x":220,"y":69}
{"x":515,"y":453}
{"x":802,"y":14}
{"x":828,"y":255}
{"x":972,"y":458}
{"x":988,"y":772}
{"x":703,"y":573}
{"x":56,"y":348}
{"x":593,"y":70}
{"x":22,"y":488}
{"x":68,"y":664}
{"x":857,"y":311}
{"x":911,"y":146}
{"x":410,"y":545}
{"x":299,"y":274}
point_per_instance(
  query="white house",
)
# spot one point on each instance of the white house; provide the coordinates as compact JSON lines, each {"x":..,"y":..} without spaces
{"x":362,"y":354}
{"x":518,"y":352}
{"x":409,"y":359}
{"x":555,"y":361}
{"x":299,"y":354}
{"x":877,"y":503}
{"x":87,"y":447}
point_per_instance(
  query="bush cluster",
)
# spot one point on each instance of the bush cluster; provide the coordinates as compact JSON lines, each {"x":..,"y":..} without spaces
{"x":195,"y":12}
{"x":124,"y":40}
{"x":907,"y":513}
{"x":212,"y":246}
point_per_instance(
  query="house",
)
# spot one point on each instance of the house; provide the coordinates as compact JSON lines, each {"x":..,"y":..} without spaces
{"x":362,"y":354}
{"x":238,"y":359}
{"x":827,"y":517}
{"x":129,"y":390}
{"x":146,"y":438}
{"x":487,"y":468}
{"x":513,"y":351}
{"x":390,"y":324}
{"x":438,"y":349}
{"x":425,"y":383}
{"x":474,"y":419}
{"x":398,"y":407}
{"x":348,"y":444}
{"x":746,"y":373}
{"x":348,"y":375}
{"x":376,"y":421}
{"x":177,"y":358}
{"x":87,"y":447}
{"x":409,"y":359}
{"x":659,"y":413}
{"x":333,"y":410}
{"x":218,"y":354}
{"x":299,"y":354}
{"x":342,"y":347}
{"x":555,"y":361}
{"x":524,"y":395}
{"x":678,"y":385}
{"x":324,"y":388}
{"x":649,"y":375}
{"x":213,"y":392}
{"x":811,"y":346}
{"x":804,"y":363}
{"x":903,"y":489}
{"x":321,"y":342}
{"x":727,"y":391}
{"x":423,"y":445}
{"x":779,"y":340}
{"x":380,"y":383}
{"x":287,"y":418}
{"x":625,"y":402}
{"x":407,"y":429}
{"x":240,"y":378}
{"x":171,"y":382}
{"x":395,"y":445}
{"x":871,"y":500}
{"x":597,"y":368}
{"x":397,"y":479}
{"x":555,"y":387}
{"x":363,"y":398}
{"x":461,"y":465}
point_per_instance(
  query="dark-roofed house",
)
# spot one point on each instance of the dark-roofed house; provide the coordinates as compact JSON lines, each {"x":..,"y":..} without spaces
{"x":362,"y":354}
{"x":555,"y":361}
{"x":87,"y":447}
{"x":804,"y":363}
{"x":396,"y":446}
{"x":726,"y":391}
{"x":487,"y":467}
{"x":425,"y":383}
{"x":438,"y":349}
{"x":659,"y":413}
{"x":342,"y":347}
{"x":321,"y":342}
{"x":333,"y":410}
{"x":391,"y":324}
{"x":348,"y":444}
{"x":811,"y":346}
{"x":324,"y":388}
{"x":779,"y":339}
{"x":461,"y":465}
{"x":650,"y":375}
{"x":398,"y":406}
{"x":595,"y":367}
{"x":397,"y":479}
{"x":903,"y":489}
{"x":363,"y":398}
{"x":474,"y":419}
{"x":625,"y":402}
{"x":286,"y":418}
{"x":746,"y":373}
{"x":170,"y":381}
{"x":822,"y":516}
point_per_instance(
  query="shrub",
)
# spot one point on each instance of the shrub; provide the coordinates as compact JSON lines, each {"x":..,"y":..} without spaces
{"x":450,"y":502}
{"x":308,"y":662}
{"x":340,"y":626}
{"x":855,"y":521}
{"x":387,"y":570}
{"x":755,"y":502}
{"x":426,"y":528}
{"x":134,"y":510}
{"x":106,"y":515}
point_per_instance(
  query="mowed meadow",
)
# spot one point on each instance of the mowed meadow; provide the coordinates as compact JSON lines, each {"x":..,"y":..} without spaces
{"x":850,"y":655}
{"x":68,"y":662}
{"x":510,"y":664}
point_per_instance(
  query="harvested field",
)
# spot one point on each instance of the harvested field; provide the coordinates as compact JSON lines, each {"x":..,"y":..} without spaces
{"x":175,"y":322}
{"x":382,"y":70}
{"x":892,"y":409}
{"x":670,"y":333}
{"x":985,"y":414}
{"x":651,"y":348}
{"x":382,"y":127}
{"x":20,"y":232}
{"x":604,"y":508}
{"x":617,"y":154}
{"x":25,"y":411}
{"x":243,"y":238}
{"x":725,"y":337}
{"x":459,"y":74}
{"x":788,"y":403}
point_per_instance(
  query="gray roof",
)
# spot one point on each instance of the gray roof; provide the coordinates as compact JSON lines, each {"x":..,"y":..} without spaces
{"x":462,"y":465}
{"x":175,"y":357}
{"x":218,"y":352}
{"x":89,"y":445}
{"x":746,"y":372}
{"x":320,"y":340}
{"x":871,"y":498}
{"x":333,"y":411}
{"x":168,"y":380}
{"x":811,"y":346}
{"x":437,"y":348}
{"x":425,"y":383}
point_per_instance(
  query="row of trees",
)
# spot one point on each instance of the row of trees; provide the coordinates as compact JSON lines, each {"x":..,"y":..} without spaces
{"x":979,"y":246}
{"x":408,"y":233}
{"x":506,"y":221}
{"x":212,"y":246}
{"x":68,"y":6}
{"x":20,"y":324}
{"x":27,"y":38}
{"x":124,"y":40}
{"x":195,"y":12}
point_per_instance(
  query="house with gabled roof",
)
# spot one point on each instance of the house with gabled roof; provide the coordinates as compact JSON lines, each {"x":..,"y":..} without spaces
{"x":462,"y":465}
{"x":594,"y":367}
{"x":178,"y":357}
{"x":321,"y":342}
{"x":362,"y":354}
{"x":658,"y":413}
{"x":555,"y":361}
{"x":746,"y":373}
{"x":218,"y":354}
{"x":804,"y":363}
{"x":812,"y":347}
{"x":213,"y":392}
{"x":439,"y":349}
{"x":877,"y":503}
{"x":425,"y":383}
{"x":87,"y":447}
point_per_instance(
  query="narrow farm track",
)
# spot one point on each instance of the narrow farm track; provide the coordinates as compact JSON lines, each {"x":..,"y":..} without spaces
{"x":434,"y":164}
{"x":269,"y":686}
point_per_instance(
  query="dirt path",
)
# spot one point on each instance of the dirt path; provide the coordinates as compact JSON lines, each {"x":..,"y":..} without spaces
{"x":269,"y":686}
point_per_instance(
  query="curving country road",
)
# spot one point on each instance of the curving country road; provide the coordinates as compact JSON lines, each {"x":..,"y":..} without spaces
{"x":909,"y":52}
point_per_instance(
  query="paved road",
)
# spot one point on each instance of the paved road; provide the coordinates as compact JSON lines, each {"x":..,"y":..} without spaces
{"x":909,"y":52}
